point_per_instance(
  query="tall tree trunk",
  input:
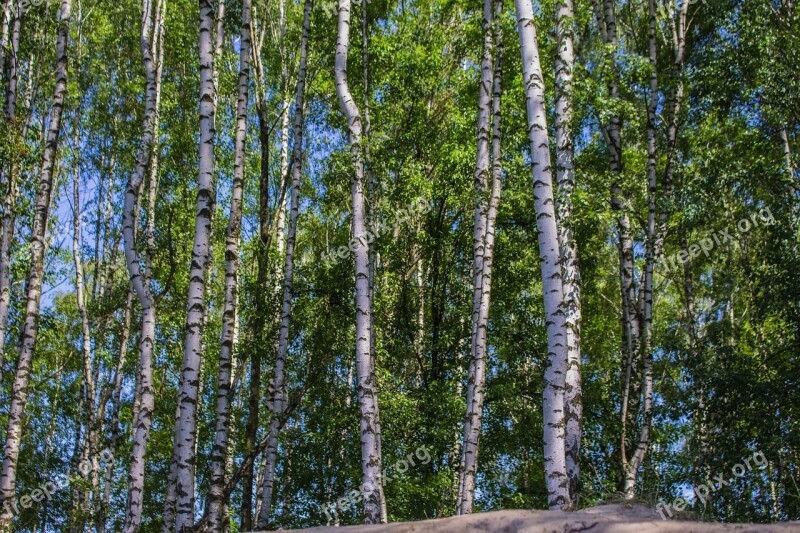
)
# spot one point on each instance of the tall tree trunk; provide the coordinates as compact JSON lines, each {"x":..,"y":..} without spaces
{"x":262,"y":279}
{"x":33,"y":289}
{"x":371,"y":221}
{"x":9,"y":176}
{"x":556,"y":479}
{"x":487,"y":197}
{"x":284,"y":144}
{"x":4,"y":27}
{"x":278,"y":391}
{"x":151,"y":38}
{"x":89,"y":412}
{"x":565,"y":178}
{"x":185,"y":434}
{"x":645,"y":342}
{"x":219,"y":455}
{"x":367,"y":390}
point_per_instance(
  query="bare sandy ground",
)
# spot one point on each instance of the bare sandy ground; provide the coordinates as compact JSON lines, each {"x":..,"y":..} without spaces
{"x":612,"y":518}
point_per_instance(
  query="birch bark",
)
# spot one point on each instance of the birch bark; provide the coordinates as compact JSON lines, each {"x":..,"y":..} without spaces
{"x":262,"y":279}
{"x":367,"y":391}
{"x":90,"y":445}
{"x":4,"y":26}
{"x":139,"y":279}
{"x":277,"y":402}
{"x":556,"y":479}
{"x":631,"y":467}
{"x":565,"y":178}
{"x":219,"y":454}
{"x":185,"y":435}
{"x":487,"y":196}
{"x":12,"y":187}
{"x":372,"y":199}
{"x":33,"y":288}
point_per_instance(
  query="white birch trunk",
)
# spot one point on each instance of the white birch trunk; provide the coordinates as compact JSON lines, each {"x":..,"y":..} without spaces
{"x":185,"y":435}
{"x":9,"y":176}
{"x":278,"y":399}
{"x":139,"y":280}
{"x":89,"y":380}
{"x":565,"y":177}
{"x":219,"y":454}
{"x":33,"y":288}
{"x":486,"y":202}
{"x":367,"y":389}
{"x":556,"y":479}
{"x":4,"y":26}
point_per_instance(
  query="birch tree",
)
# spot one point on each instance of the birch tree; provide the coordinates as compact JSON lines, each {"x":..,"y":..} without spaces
{"x":565,"y":178}
{"x":185,"y":433}
{"x":557,"y":363}
{"x":33,"y":286}
{"x":487,"y":198}
{"x":9,"y":175}
{"x":89,"y":453}
{"x":278,"y":396}
{"x":219,"y":455}
{"x":367,"y":388}
{"x":259,"y":318}
{"x":151,"y":39}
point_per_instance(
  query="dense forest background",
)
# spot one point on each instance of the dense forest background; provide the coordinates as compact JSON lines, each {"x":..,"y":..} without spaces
{"x":106,"y":221}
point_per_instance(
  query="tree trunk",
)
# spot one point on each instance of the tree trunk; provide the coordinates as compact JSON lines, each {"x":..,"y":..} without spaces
{"x":367,"y":392}
{"x":371,"y":221}
{"x":4,"y":26}
{"x":645,"y":342}
{"x":219,"y":455}
{"x":262,"y":280}
{"x":185,"y":434}
{"x":556,"y":479}
{"x":278,"y":396}
{"x":565,"y":178}
{"x":9,"y":176}
{"x":88,"y":365}
{"x":33,"y":289}
{"x":487,"y":198}
{"x":140,"y":280}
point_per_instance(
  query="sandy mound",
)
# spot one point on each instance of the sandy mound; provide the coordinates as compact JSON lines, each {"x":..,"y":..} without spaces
{"x":614,"y":518}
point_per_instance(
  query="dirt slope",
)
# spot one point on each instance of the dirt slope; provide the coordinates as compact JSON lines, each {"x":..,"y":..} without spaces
{"x":615,"y":518}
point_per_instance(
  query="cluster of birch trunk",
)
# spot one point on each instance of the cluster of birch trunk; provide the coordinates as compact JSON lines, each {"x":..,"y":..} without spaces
{"x":256,"y":474}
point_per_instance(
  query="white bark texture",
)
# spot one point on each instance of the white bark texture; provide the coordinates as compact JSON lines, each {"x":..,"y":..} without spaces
{"x":139,"y":279}
{"x":89,"y":381}
{"x":656,"y":231}
{"x":565,"y":178}
{"x":185,"y":434}
{"x":556,"y":365}
{"x":33,"y":287}
{"x":219,"y":454}
{"x":367,"y":388}
{"x":278,"y":391}
{"x":487,"y":197}
{"x":8,"y":176}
